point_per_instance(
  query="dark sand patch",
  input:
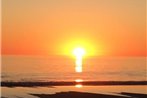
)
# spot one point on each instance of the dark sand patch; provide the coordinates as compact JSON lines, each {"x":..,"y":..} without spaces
{"x":73,"y":94}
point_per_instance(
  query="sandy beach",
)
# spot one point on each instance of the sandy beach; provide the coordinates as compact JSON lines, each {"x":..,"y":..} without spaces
{"x":73,"y":94}
{"x":104,"y":89}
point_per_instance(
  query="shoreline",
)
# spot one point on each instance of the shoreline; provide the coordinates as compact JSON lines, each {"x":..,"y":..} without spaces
{"x":71,"y":83}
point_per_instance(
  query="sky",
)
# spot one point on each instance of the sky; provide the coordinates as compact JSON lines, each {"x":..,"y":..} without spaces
{"x":56,"y":27}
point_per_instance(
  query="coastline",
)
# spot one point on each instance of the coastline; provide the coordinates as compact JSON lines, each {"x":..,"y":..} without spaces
{"x":71,"y":83}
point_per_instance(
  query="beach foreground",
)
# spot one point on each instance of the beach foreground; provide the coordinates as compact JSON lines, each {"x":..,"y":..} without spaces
{"x":73,"y":94}
{"x":75,"y":91}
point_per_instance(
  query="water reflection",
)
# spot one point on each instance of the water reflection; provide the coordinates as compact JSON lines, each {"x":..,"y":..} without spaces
{"x":78,"y":68}
{"x":79,"y":83}
{"x":79,"y":80}
{"x":79,"y":52}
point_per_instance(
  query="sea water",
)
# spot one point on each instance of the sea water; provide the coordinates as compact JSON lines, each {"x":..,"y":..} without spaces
{"x":61,"y":68}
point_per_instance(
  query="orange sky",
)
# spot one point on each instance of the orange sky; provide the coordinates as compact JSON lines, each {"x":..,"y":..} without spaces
{"x":49,"y":27}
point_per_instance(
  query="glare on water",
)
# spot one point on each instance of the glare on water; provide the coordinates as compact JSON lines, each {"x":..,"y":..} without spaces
{"x":79,"y":52}
{"x":79,"y":86}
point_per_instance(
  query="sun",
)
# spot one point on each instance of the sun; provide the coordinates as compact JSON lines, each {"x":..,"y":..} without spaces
{"x":79,"y":51}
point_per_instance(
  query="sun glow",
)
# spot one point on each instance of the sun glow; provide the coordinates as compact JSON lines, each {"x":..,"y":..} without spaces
{"x":86,"y":44}
{"x":78,"y":52}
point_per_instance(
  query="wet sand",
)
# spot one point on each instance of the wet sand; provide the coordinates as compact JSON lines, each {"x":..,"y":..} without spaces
{"x":79,"y":94}
{"x":73,"y":94}
{"x":134,"y":95}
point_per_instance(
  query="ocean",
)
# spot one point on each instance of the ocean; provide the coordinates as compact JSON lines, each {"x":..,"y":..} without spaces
{"x":59,"y":68}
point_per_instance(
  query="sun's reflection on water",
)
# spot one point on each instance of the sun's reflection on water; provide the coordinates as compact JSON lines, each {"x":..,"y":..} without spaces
{"x":79,"y":83}
{"x":79,"y":52}
{"x":79,"y":80}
